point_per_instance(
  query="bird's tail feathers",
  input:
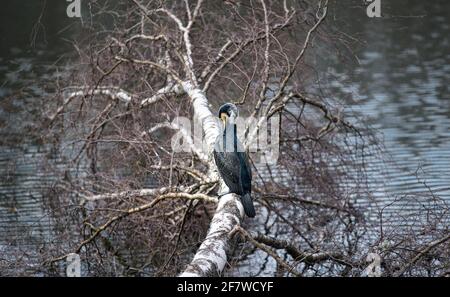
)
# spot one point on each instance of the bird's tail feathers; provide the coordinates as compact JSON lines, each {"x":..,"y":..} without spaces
{"x":247,"y":203}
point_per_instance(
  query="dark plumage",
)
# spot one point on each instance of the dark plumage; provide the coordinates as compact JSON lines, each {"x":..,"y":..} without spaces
{"x":231,"y":159}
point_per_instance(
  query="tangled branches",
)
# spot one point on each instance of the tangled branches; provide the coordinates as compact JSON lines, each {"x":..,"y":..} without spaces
{"x":130,"y":204}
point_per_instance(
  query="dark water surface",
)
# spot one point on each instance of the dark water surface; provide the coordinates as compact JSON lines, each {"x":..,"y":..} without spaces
{"x":33,"y":41}
{"x":399,"y":79}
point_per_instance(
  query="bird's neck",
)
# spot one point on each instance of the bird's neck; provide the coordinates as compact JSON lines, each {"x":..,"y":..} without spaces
{"x":229,"y":128}
{"x":230,"y":137}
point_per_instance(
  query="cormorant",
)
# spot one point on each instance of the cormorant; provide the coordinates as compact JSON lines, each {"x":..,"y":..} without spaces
{"x":231,"y":159}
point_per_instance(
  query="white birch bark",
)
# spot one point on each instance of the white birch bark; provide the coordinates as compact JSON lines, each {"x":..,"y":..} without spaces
{"x":211,"y":257}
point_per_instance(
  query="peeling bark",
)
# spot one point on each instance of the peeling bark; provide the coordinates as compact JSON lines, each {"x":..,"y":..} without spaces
{"x":211,"y":257}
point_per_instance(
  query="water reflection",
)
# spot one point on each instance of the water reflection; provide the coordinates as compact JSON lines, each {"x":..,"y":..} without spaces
{"x":29,"y":51}
{"x":401,"y":83}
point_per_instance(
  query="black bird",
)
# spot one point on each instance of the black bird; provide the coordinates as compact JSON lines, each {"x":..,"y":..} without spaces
{"x":231,"y":159}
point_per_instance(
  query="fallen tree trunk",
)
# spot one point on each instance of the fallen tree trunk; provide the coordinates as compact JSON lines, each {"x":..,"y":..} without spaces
{"x":211,"y":257}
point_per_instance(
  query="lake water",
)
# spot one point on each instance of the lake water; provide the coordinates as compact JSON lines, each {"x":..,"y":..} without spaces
{"x":399,"y":81}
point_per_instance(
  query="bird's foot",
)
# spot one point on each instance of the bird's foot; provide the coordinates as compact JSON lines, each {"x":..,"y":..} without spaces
{"x":222,"y":194}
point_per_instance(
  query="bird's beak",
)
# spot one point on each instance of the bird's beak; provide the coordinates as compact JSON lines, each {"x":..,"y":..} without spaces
{"x":224,"y":118}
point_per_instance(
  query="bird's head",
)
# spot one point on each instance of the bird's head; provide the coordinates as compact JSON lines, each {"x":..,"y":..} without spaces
{"x":228,"y":112}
